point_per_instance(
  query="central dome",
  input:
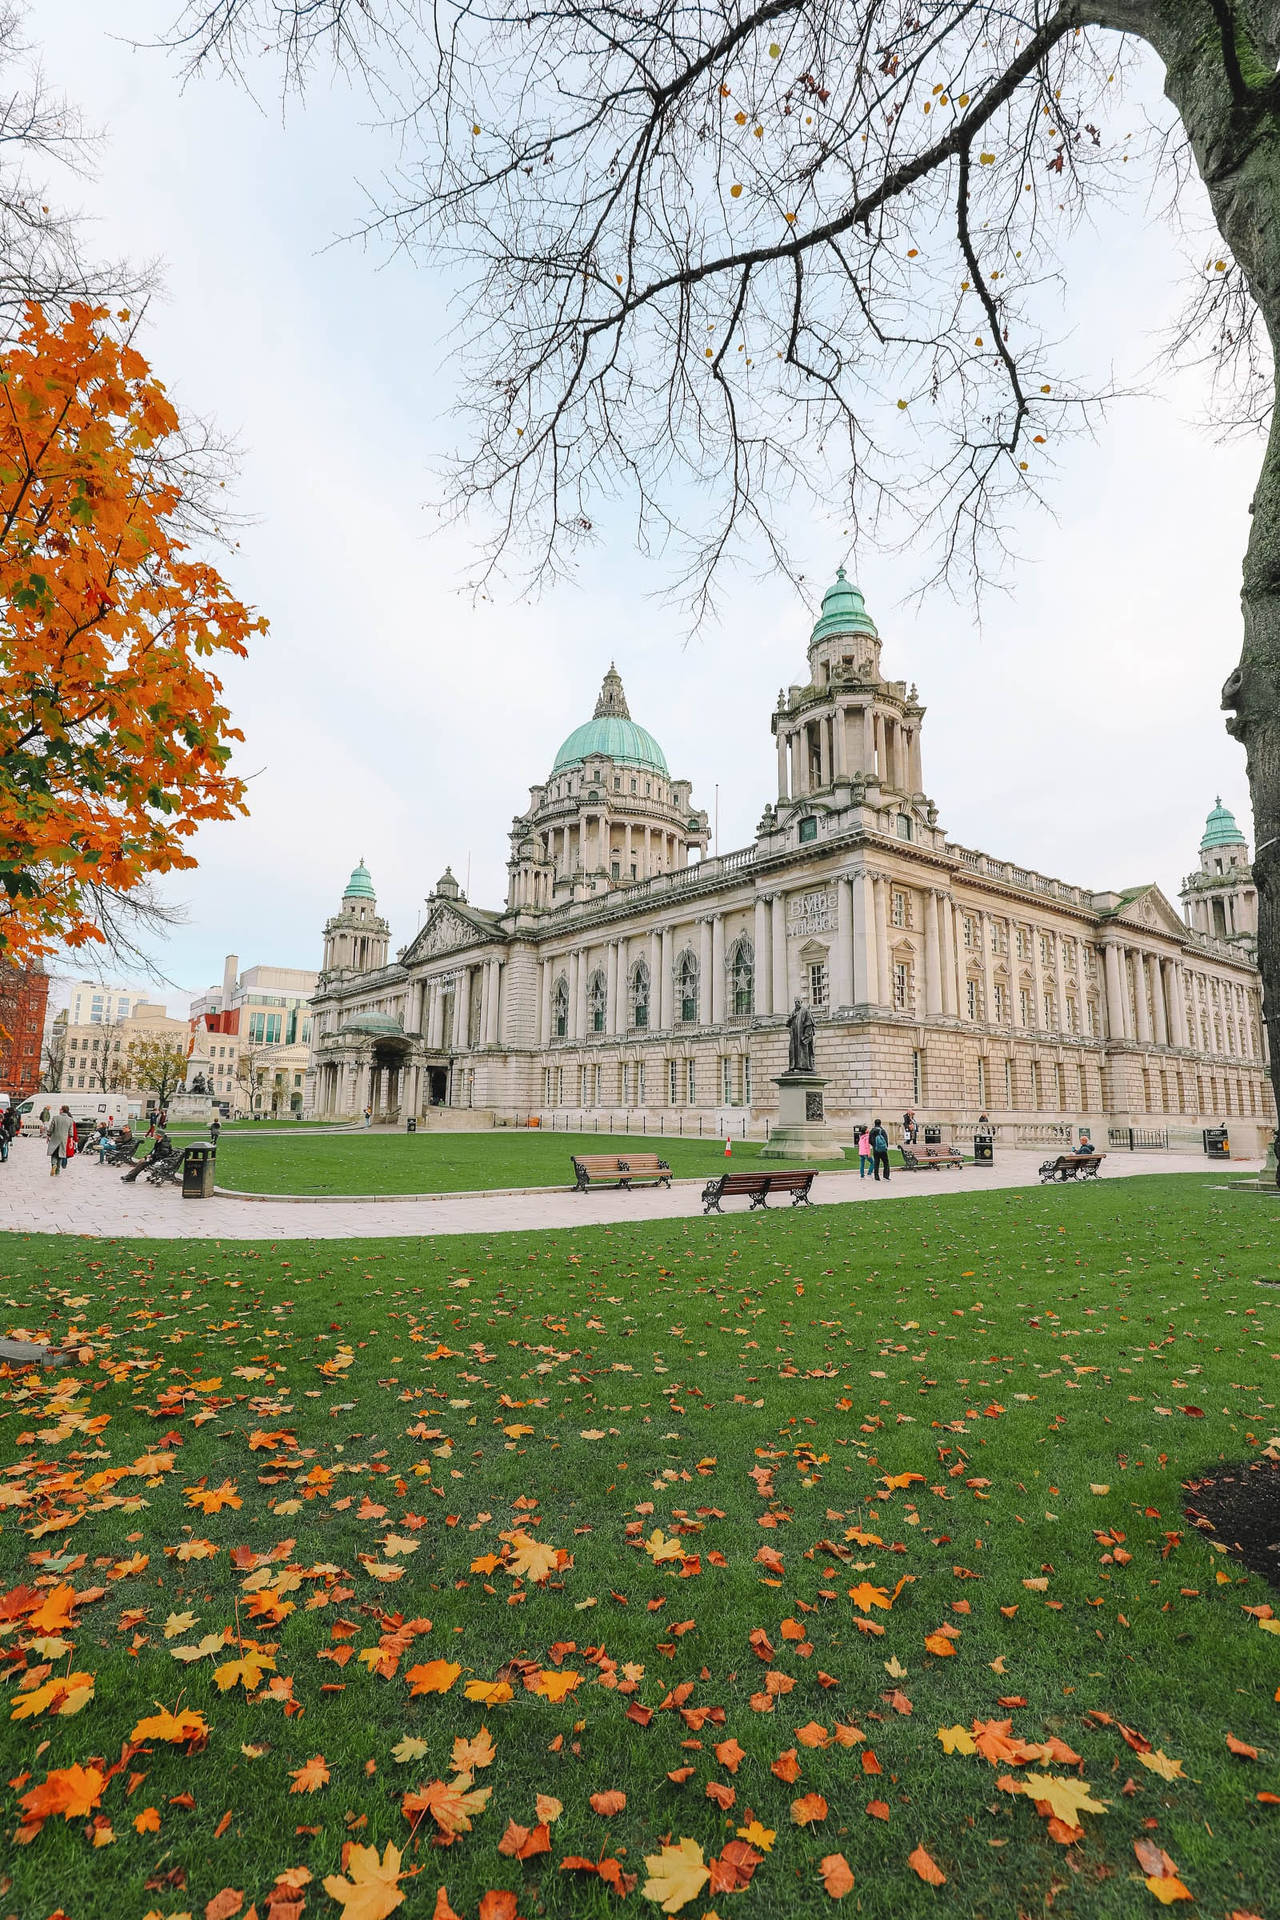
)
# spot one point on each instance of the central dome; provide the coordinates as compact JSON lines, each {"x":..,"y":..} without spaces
{"x":611,"y":734}
{"x":1220,"y":829}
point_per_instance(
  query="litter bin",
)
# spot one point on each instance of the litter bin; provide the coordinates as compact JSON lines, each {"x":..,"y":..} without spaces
{"x":1216,"y":1143}
{"x":197,"y":1172}
{"x":984,"y":1150}
{"x":933,"y":1136}
{"x":411,"y":1124}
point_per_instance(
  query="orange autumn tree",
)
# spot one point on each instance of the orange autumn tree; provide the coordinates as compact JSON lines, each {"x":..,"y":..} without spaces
{"x":115,"y":743}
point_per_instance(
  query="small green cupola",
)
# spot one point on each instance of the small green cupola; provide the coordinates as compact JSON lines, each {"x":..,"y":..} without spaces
{"x":1220,"y":829}
{"x":843,"y":611}
{"x":360,"y":885}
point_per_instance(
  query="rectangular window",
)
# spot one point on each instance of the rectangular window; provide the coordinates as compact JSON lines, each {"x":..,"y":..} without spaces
{"x":624,"y":1084}
{"x":808,"y":828}
{"x":902,"y":986}
{"x":672,"y":1066}
{"x":726,"y":1081}
{"x":1021,"y":943}
{"x":1073,"y":1014}
{"x":691,"y":1082}
{"x":982,"y":1082}
{"x":917,"y":1076}
{"x":640,"y":1083}
{"x":973,"y":999}
{"x":746,"y":1079}
{"x":1050,"y":1013}
{"x":1046,"y":949}
{"x":899,"y":910}
{"x":1008,"y":1083}
{"x":970,"y":931}
{"x":818,"y":984}
{"x":1024,"y":1007}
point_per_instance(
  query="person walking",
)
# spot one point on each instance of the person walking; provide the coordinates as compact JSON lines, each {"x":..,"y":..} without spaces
{"x":60,"y":1127}
{"x":368,"y":1116}
{"x":215,"y":1128}
{"x":879,"y":1149}
{"x":863,"y":1135}
{"x":8,"y":1127}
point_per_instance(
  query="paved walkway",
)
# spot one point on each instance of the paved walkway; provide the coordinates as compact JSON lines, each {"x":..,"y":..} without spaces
{"x":93,"y":1200}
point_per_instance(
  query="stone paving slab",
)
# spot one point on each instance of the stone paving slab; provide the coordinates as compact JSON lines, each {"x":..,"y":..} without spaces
{"x":90,"y":1200}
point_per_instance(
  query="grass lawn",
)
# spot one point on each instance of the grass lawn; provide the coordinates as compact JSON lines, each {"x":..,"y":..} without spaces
{"x":717,"y":1515}
{"x":457,"y":1162}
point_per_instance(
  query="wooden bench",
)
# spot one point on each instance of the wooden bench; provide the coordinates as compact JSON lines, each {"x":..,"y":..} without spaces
{"x":1072,"y":1166}
{"x":915,"y":1159}
{"x":618,"y":1170}
{"x":796,"y":1181}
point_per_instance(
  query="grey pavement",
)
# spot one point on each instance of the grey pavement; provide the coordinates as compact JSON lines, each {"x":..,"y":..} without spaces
{"x":92,"y":1200}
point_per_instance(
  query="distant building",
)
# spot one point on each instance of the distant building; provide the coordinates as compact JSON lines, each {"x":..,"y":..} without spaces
{"x":90,"y":1002}
{"x":252,"y":1037}
{"x":95,"y":1054}
{"x":630,"y":981}
{"x":23,"y":994}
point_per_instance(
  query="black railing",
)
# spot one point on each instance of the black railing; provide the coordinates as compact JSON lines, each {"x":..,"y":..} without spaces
{"x":1139,"y":1139}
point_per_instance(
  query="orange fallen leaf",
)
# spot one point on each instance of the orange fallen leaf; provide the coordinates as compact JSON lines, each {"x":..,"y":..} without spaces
{"x":373,"y":1888}
{"x":608,"y":1803}
{"x":810,"y":1807}
{"x":837,"y":1879}
{"x":311,"y":1776}
{"x":224,"y":1905}
{"x":434,"y":1676}
{"x":928,"y":1869}
{"x":878,"y":1809}
{"x":730,"y":1754}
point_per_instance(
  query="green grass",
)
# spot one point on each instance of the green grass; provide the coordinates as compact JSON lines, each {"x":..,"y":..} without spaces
{"x":1042,"y":1342}
{"x":459,"y":1162}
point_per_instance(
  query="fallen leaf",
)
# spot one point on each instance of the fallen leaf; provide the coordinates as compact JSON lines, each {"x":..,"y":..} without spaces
{"x":837,"y":1880}
{"x":373,"y":1889}
{"x":810,"y":1807}
{"x":311,"y":1776}
{"x":928,"y":1869}
{"x":676,"y":1875}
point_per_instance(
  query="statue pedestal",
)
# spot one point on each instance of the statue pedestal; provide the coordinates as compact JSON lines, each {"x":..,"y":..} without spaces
{"x":802,"y":1131}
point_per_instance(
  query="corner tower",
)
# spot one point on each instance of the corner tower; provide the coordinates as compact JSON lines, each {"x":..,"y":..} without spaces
{"x":356,"y":939}
{"x":848,"y":727}
{"x":608,"y":814}
{"x":1221,"y":899}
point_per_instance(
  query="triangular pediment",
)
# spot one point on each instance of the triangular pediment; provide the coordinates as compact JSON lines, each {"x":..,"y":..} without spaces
{"x":1150,"y":910}
{"x":448,"y":928}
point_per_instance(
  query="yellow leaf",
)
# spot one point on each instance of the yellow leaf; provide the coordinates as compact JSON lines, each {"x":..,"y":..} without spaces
{"x":1068,"y":1798}
{"x":479,"y":1751}
{"x":1159,"y":1762}
{"x":735,"y":191}
{"x":1270,"y":1626}
{"x":659,"y":1548}
{"x":676,"y":1875}
{"x":864,"y":1596}
{"x":248,"y":1672}
{"x":956,"y":1740}
{"x":178,"y":1623}
{"x":410,"y":1748}
{"x":63,"y":1697}
{"x":436,"y":1676}
{"x":489,"y":1693}
{"x":533,"y":1559}
{"x":1167,"y":1888}
{"x":373,"y":1890}
{"x":1092,"y":1487}
{"x":169,"y":1726}
{"x":550,"y":1685}
{"x":774,"y":49}
{"x":757,"y":1836}
{"x":986,"y":159}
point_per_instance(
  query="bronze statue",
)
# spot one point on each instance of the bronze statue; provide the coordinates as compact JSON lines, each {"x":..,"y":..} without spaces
{"x":800,"y":1028}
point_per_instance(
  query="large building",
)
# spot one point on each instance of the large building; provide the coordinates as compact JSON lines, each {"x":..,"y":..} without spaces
{"x":95,"y":1055}
{"x":628,"y":974}
{"x":24,"y":993}
{"x":252,"y":1039}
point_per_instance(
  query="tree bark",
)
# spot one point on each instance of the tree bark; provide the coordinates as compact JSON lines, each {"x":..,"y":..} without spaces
{"x":1223,"y":85}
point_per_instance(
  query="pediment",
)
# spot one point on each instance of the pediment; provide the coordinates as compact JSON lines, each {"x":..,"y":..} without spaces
{"x":1151,"y":911}
{"x":447,"y":929}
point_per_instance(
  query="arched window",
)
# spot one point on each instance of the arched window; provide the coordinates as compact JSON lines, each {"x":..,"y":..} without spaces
{"x":640,"y":994}
{"x":742,"y":976}
{"x":560,"y":1008}
{"x":904,"y":826}
{"x":687,"y":986}
{"x":596,"y":1001}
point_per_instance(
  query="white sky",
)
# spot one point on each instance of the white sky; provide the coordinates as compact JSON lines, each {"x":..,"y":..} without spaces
{"x":1077,"y":731}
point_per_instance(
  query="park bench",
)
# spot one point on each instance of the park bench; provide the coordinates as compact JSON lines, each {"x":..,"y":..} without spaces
{"x":618,"y":1170}
{"x":1072,"y":1166}
{"x":796,"y":1181}
{"x":915,"y":1159}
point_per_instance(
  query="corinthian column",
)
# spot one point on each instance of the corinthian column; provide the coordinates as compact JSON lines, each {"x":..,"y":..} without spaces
{"x":932,"y":960}
{"x":842,"y":971}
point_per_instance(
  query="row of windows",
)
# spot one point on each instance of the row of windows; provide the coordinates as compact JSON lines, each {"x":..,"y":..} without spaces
{"x":687,"y":981}
{"x":596,"y":1085}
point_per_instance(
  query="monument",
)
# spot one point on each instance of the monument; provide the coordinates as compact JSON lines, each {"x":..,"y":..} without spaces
{"x":802,"y":1128}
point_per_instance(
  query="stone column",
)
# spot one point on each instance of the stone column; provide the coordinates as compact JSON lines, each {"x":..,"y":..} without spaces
{"x":839,"y":743}
{"x":655,"y":980}
{"x":868,"y":741}
{"x":1157,"y":1000}
{"x":705,"y":971}
{"x":916,"y":775}
{"x":435,"y":1019}
{"x":782,"y":763}
{"x":761,"y":997}
{"x":462,"y":1012}
{"x":717,"y":970}
{"x":779,"y":998}
{"x":1117,"y":1013}
{"x":1037,"y":979}
{"x":953,"y":966}
{"x":988,"y":969}
{"x":842,"y":970}
{"x":495,"y":1015}
{"x":620,"y":1014}
{"x":824,"y":754}
{"x":667,"y":998}
{"x":1140,"y":996}
{"x":1177,"y":1008}
{"x":574,"y":961}
{"x":883,"y":974}
{"x":866,"y":990}
{"x":932,"y":961}
{"x":584,"y":1010}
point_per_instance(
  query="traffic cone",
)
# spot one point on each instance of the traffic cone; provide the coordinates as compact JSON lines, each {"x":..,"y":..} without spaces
{"x":728,"y":1148}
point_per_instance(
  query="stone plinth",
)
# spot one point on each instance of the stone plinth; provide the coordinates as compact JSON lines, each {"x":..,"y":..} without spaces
{"x":802,"y":1130}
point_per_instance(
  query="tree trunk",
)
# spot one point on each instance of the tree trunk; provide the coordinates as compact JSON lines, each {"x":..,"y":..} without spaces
{"x":1224,"y":90}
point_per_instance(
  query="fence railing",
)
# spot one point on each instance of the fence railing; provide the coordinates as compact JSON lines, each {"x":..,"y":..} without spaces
{"x":1139,"y":1139}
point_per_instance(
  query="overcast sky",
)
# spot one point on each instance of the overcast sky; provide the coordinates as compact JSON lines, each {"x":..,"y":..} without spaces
{"x":1076,"y":731}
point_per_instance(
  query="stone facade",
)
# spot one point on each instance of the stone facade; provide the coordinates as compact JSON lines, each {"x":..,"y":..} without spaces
{"x":624,"y":978}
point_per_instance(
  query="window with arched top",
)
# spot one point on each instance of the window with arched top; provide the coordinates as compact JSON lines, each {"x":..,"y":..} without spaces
{"x":687,"y":985}
{"x":640,"y":994}
{"x":560,"y":1008}
{"x":904,"y":826}
{"x":597,"y":1001}
{"x":742,"y":976}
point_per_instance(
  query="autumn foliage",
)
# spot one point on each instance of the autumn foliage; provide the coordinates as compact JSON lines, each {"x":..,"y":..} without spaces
{"x":114,"y":741}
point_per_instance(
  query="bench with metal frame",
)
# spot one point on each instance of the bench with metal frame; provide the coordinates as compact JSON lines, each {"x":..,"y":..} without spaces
{"x":618,"y":1170}
{"x":1072,"y":1166}
{"x":758,"y":1186}
{"x":916,"y":1159}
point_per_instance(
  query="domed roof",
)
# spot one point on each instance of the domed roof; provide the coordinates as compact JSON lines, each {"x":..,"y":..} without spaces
{"x":376,"y":1023}
{"x":612,"y":734}
{"x":1220,"y":829}
{"x":360,"y":885}
{"x":843,"y":611}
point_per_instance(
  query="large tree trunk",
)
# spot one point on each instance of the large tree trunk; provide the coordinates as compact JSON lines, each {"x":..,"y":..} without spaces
{"x":1223,"y":84}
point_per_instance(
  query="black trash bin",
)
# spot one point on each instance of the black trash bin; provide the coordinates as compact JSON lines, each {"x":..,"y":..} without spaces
{"x":933,"y":1136}
{"x":1216,"y":1143}
{"x":984,"y":1150}
{"x":197,"y":1172}
{"x":411,"y":1124}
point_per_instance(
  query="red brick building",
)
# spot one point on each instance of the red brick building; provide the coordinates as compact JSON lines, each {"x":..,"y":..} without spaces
{"x":23,"y":995}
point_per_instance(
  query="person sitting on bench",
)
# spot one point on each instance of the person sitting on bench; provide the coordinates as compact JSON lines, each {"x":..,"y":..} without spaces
{"x":162,"y":1149}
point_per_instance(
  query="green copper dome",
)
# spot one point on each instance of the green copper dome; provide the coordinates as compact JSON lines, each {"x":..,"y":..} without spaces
{"x":843,"y":611}
{"x":611,"y":734}
{"x":374,"y":1023}
{"x":359,"y":886}
{"x":1220,"y":829}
